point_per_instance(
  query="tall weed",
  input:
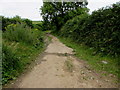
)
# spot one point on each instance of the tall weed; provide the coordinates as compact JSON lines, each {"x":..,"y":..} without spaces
{"x":23,"y":33}
{"x":20,"y":46}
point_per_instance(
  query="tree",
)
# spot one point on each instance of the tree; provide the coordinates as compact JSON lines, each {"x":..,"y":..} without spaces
{"x":55,"y":14}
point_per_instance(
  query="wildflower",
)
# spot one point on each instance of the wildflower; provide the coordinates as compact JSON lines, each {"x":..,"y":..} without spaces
{"x":36,"y":29}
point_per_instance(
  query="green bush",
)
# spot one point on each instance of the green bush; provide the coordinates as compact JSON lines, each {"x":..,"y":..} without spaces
{"x":11,"y":64}
{"x":28,"y":22}
{"x":38,"y":25}
{"x":15,"y":20}
{"x":100,"y":30}
{"x":13,"y":56}
{"x":20,"y":45}
{"x":23,"y":33}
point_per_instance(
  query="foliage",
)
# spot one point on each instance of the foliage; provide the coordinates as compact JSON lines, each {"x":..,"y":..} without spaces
{"x":15,"y":20}
{"x":55,"y":14}
{"x":37,"y":22}
{"x":38,"y":25}
{"x":84,"y":52}
{"x":23,"y":33}
{"x":101,"y":30}
{"x":16,"y":56}
{"x":69,"y":65}
{"x":28,"y":22}
{"x":21,"y":44}
{"x":11,"y":64}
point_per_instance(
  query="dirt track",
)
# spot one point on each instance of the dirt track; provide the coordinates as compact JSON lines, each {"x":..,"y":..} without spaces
{"x":52,"y":72}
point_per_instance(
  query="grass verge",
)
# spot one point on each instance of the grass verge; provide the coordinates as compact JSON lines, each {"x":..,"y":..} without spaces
{"x":98,"y":62}
{"x":21,"y":45}
{"x":18,"y":54}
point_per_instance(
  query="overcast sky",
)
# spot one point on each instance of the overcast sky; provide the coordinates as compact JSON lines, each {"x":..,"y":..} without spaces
{"x":30,"y":8}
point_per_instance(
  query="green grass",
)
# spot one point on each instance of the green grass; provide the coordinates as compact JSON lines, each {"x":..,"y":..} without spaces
{"x":21,"y":52}
{"x":21,"y":45}
{"x":0,"y":57}
{"x":36,"y":22}
{"x":24,"y":51}
{"x":0,"y":42}
{"x":69,"y":65}
{"x":95,"y":61}
{"x":22,"y":33}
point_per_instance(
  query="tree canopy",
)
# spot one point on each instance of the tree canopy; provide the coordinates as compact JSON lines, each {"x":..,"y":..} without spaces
{"x":55,"y":14}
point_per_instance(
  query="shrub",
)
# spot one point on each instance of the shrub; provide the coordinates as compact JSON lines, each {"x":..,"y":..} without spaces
{"x":23,"y":33}
{"x":11,"y":65}
{"x":21,"y":43}
{"x":28,"y":22}
{"x":100,"y":30}
{"x":15,"y":20}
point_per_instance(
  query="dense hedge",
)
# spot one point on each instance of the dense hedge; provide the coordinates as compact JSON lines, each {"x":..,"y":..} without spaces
{"x":7,"y":21}
{"x":100,"y":30}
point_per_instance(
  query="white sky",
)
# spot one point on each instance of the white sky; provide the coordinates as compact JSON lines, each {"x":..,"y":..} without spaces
{"x":30,"y":8}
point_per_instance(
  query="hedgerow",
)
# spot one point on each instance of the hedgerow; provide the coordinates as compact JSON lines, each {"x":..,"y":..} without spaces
{"x":100,"y":30}
{"x":20,"y":44}
{"x":7,"y":21}
{"x":22,"y":33}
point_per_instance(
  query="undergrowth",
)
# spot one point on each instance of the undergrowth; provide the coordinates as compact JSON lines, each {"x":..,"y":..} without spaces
{"x":20,"y":46}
